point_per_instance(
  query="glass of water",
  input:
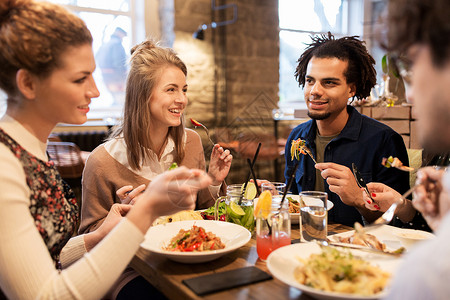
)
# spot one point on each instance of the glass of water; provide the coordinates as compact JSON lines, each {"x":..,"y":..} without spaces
{"x":313,"y":216}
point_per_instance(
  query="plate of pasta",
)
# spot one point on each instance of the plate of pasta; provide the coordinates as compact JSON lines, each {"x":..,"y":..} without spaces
{"x":333,"y":273}
{"x":195,"y":241}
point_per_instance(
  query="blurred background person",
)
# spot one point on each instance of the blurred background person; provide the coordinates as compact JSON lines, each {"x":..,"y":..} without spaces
{"x":112,"y":60}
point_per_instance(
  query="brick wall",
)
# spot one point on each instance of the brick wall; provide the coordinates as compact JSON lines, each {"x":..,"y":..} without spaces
{"x":233,"y":73}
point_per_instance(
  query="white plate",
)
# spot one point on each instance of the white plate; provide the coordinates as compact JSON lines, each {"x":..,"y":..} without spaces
{"x":411,"y":237}
{"x":232,"y":235}
{"x":387,"y":234}
{"x":284,"y":260}
{"x":295,"y":217}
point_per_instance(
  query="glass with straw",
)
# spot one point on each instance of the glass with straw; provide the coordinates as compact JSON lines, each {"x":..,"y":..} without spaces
{"x":273,"y":221}
{"x":239,"y":208}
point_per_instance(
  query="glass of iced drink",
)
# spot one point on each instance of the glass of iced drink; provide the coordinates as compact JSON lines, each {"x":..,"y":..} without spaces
{"x":273,"y":221}
{"x":239,"y":209}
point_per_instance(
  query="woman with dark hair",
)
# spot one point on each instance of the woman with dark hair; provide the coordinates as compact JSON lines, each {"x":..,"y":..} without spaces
{"x":47,"y":64}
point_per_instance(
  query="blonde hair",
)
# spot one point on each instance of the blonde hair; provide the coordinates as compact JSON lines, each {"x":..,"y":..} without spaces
{"x":147,"y":62}
{"x":33,"y":35}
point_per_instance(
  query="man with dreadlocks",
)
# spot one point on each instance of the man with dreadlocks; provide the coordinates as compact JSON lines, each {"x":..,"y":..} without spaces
{"x":332,"y":71}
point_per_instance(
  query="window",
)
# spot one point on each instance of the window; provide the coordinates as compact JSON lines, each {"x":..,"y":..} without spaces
{"x":301,"y":19}
{"x":113,"y":25}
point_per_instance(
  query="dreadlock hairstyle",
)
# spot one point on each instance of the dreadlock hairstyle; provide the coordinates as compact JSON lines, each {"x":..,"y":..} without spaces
{"x":360,"y":71}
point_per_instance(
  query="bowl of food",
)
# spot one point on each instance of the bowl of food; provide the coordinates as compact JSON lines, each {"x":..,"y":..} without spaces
{"x":204,"y":240}
{"x":343,"y":274}
{"x":410,"y":237}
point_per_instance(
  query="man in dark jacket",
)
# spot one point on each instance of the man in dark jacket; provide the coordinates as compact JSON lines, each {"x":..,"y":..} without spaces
{"x":332,"y":71}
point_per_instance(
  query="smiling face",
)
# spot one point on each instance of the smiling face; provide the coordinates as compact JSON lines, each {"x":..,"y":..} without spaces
{"x":326,"y":89}
{"x":168,"y":99}
{"x":65,"y":95}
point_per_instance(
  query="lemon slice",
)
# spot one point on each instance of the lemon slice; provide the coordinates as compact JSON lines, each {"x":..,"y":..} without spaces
{"x":250,"y":190}
{"x":236,"y":210}
{"x":264,"y":204}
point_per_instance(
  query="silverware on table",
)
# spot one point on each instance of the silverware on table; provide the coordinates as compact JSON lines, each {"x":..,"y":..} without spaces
{"x":357,"y":247}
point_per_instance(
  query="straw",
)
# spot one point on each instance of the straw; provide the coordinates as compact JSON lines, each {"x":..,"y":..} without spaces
{"x":257,"y":191}
{"x":288,"y":187}
{"x":254,"y":176}
{"x":249,"y":174}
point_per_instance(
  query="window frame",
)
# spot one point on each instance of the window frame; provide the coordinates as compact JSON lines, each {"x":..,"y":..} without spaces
{"x":350,"y":9}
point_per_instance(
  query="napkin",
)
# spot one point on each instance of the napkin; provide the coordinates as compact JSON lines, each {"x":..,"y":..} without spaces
{"x":216,"y":282}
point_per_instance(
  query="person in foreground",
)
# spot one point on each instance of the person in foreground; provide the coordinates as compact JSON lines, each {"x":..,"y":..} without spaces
{"x":47,"y":64}
{"x":332,"y":71}
{"x":150,"y":139}
{"x":420,"y":32}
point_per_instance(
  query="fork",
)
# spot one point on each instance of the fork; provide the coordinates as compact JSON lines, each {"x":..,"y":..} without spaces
{"x":388,"y":215}
{"x":358,"y":247}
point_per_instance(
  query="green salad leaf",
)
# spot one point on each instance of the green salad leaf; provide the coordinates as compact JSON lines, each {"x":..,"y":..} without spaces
{"x":173,"y":166}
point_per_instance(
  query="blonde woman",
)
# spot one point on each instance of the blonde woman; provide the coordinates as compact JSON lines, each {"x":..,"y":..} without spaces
{"x":150,"y":139}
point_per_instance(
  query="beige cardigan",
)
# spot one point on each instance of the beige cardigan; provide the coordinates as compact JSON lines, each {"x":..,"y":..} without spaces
{"x":103,"y":176}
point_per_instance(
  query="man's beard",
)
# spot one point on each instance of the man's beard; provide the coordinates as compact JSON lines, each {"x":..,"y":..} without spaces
{"x":318,"y":116}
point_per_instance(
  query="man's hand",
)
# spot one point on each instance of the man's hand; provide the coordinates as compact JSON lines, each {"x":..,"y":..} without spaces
{"x":342,"y":182}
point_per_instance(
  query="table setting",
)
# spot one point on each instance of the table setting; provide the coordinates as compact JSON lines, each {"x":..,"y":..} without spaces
{"x":267,"y":251}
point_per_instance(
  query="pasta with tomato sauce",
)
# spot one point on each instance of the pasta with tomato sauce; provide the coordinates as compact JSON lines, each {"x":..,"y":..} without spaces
{"x":194,"y":239}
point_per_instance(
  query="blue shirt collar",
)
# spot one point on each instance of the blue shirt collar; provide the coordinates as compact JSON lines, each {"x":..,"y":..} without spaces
{"x":351,"y":130}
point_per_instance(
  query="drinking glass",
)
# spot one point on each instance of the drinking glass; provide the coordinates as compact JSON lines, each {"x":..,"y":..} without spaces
{"x":239,"y":210}
{"x":313,"y":216}
{"x":273,"y":227}
{"x":275,"y":188}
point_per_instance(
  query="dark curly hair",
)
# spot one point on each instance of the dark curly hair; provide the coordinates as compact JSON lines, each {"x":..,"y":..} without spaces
{"x":412,"y":22}
{"x":360,"y":71}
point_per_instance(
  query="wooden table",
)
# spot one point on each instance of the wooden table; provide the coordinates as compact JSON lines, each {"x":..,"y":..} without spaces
{"x":167,"y":275}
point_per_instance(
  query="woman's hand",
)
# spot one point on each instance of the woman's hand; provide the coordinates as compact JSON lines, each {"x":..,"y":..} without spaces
{"x":429,"y":197}
{"x":219,"y":164}
{"x":382,"y":194}
{"x":128,"y":195}
{"x":167,"y":194}
{"x":385,"y":196}
{"x":115,"y":215}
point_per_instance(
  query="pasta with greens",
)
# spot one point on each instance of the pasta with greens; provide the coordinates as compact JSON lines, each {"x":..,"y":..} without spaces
{"x":337,"y":271}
